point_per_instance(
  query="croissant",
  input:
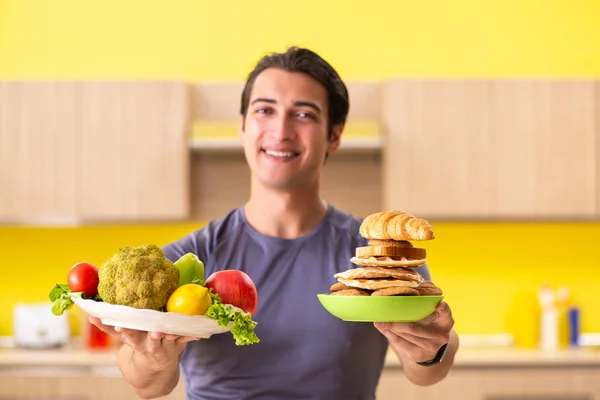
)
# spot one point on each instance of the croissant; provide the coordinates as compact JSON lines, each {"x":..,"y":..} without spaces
{"x":395,"y":225}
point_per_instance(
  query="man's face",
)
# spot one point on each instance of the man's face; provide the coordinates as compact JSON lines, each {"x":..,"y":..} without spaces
{"x":285,"y":133}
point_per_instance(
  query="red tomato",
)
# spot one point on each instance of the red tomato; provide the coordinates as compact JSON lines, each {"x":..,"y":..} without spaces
{"x":83,"y":277}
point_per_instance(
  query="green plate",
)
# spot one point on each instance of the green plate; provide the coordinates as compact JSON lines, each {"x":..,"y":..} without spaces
{"x":380,"y":308}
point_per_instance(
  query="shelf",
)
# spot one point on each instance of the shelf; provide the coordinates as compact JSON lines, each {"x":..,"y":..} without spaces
{"x":222,"y":135}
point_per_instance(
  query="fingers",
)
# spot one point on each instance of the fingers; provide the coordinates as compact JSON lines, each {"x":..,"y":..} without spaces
{"x":418,"y":349}
{"x":441,"y":318}
{"x":105,"y":328}
{"x":186,"y":339}
{"x":141,"y":341}
{"x":154,"y":340}
{"x":412,"y":328}
{"x":429,"y":345}
{"x":399,"y":342}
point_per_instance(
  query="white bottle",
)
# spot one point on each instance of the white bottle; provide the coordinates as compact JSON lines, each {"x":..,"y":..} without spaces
{"x":549,"y":319}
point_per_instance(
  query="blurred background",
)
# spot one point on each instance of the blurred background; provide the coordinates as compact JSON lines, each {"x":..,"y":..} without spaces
{"x":118,"y":124}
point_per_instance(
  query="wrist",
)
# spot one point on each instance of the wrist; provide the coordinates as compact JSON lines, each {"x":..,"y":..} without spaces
{"x":150,"y":363}
{"x":438,"y":358}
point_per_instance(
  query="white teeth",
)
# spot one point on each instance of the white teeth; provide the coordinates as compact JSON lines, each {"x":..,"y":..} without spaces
{"x":279,"y":153}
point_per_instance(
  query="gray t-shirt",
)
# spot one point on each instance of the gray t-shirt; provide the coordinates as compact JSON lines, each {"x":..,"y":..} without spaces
{"x":304,"y":352}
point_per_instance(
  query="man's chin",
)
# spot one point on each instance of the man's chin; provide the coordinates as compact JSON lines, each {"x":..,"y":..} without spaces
{"x":278,"y":183}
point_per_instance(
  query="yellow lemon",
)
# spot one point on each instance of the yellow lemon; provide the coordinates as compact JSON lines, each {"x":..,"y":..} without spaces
{"x":190,"y":299}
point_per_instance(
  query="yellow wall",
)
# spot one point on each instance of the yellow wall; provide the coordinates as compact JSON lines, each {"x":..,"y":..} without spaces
{"x":483,"y":267}
{"x":199,"y":39}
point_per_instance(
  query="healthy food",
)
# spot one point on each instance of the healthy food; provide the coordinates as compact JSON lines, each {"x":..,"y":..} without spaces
{"x":138,"y":277}
{"x":190,"y":267}
{"x":142,"y":277}
{"x":83,"y":277}
{"x":236,"y":288}
{"x":190,"y":299}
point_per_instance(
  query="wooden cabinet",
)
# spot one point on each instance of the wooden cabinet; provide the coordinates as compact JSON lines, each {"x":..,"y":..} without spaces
{"x":86,"y":151}
{"x":70,"y":383}
{"x":446,"y":149}
{"x":478,"y":374}
{"x":498,"y":383}
{"x":442,"y":149}
{"x":492,"y":148}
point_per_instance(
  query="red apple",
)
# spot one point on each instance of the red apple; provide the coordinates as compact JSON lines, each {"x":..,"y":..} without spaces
{"x":236,"y":288}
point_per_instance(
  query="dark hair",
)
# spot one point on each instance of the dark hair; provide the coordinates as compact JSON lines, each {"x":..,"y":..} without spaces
{"x":297,"y":59}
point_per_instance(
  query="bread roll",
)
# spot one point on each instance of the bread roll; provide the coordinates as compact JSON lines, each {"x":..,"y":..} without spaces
{"x":391,"y":251}
{"x":395,"y":225}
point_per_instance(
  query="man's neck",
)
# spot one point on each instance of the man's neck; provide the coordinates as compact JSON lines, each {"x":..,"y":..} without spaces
{"x":285,"y":214}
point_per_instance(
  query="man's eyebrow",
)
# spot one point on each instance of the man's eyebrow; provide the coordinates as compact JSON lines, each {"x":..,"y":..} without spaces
{"x":265,"y":100}
{"x":296,"y":103}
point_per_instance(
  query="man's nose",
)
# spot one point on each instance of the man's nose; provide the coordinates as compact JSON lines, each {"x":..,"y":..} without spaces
{"x":282,"y":129}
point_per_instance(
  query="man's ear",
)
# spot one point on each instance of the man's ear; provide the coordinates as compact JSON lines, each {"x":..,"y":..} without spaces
{"x":335,"y":139}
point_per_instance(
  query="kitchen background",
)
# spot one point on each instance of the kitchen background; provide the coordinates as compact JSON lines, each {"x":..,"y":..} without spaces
{"x":118,"y":124}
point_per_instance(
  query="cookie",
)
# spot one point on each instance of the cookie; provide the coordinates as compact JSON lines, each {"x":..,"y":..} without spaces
{"x":387,"y":261}
{"x":338,"y":286}
{"x":428,"y":288}
{"x":351,"y":292}
{"x":396,"y":291}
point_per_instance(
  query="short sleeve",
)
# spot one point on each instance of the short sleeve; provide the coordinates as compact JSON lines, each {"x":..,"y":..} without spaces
{"x":192,"y":243}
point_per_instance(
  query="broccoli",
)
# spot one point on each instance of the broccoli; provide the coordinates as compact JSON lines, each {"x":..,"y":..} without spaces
{"x":139,"y":277}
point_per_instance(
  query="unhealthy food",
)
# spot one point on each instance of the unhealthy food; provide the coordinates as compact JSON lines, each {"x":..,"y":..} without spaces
{"x":388,"y":265}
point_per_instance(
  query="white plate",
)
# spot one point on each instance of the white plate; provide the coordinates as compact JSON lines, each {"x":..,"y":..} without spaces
{"x":151,"y":320}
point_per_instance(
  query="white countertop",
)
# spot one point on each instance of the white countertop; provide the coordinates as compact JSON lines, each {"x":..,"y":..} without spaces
{"x":466,"y":357}
{"x":496,"y":357}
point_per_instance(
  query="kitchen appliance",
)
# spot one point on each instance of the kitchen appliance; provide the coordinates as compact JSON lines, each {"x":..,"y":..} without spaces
{"x":34,"y":326}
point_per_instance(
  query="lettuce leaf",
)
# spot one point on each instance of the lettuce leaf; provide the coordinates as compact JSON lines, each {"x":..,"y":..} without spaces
{"x":61,"y":298}
{"x":243,"y":325}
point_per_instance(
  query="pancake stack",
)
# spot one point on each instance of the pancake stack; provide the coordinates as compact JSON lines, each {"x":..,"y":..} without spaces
{"x":388,"y":266}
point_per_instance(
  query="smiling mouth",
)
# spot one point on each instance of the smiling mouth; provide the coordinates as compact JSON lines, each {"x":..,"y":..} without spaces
{"x":284,"y":155}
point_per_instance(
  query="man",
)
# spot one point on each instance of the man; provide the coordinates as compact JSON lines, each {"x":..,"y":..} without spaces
{"x":291,"y":243}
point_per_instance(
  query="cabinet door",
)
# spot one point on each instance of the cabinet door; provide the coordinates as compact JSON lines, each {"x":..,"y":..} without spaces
{"x":491,"y":149}
{"x":93,"y":150}
{"x":541,"y":149}
{"x":133,"y":151}
{"x":434,"y":161}
{"x":39,"y":125}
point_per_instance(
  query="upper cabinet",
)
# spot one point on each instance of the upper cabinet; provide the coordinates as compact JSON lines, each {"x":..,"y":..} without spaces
{"x":491,"y":149}
{"x":442,"y":149}
{"x":86,"y":151}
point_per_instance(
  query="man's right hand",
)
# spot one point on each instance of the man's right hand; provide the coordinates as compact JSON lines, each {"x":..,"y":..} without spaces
{"x":157,"y":348}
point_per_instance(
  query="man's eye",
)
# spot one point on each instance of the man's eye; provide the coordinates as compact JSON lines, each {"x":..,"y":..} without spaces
{"x":263,"y":111}
{"x":303,"y":114}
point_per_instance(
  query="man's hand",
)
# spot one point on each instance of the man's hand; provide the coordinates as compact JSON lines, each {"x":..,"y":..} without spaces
{"x":156,"y":347}
{"x":420,"y":340}
{"x":149,"y":361}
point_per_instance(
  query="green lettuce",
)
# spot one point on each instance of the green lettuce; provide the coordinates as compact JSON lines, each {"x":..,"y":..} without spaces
{"x":61,"y":298}
{"x":243,"y":325}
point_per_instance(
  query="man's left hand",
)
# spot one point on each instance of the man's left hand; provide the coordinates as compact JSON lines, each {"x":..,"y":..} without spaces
{"x":420,"y":340}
